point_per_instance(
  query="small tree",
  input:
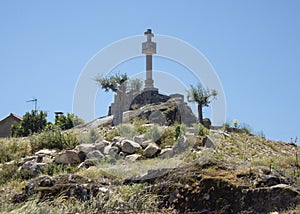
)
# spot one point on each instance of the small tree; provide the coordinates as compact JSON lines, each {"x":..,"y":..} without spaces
{"x":115,"y":83}
{"x":202,"y":97}
{"x":33,"y":122}
{"x":68,"y":121}
{"x":134,"y":85}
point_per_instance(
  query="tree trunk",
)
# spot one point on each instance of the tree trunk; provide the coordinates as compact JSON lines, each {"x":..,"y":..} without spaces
{"x":118,"y":114}
{"x":121,"y":97}
{"x":200,"y":114}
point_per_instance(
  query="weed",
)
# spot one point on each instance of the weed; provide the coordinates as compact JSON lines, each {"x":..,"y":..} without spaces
{"x":261,"y":134}
{"x":246,"y":128}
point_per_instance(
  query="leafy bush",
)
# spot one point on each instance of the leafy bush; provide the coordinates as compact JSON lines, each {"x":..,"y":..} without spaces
{"x":54,"y":139}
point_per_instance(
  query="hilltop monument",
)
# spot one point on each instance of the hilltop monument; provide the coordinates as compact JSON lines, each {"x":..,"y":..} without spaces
{"x":174,"y":107}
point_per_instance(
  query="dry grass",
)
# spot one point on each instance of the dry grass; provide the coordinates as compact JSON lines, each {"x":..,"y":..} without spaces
{"x":119,"y":199}
{"x":124,"y":169}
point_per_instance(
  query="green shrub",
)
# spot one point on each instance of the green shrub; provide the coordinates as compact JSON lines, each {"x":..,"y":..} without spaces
{"x":83,"y":138}
{"x":108,"y":160}
{"x":93,"y":135}
{"x":110,"y":134}
{"x":126,"y":130}
{"x":201,"y":130}
{"x":13,"y":149}
{"x":180,"y":129}
{"x":6,"y":151}
{"x":54,"y":139}
{"x":168,"y":138}
{"x":53,"y":168}
{"x":154,"y":133}
{"x":139,"y":125}
{"x":8,"y":173}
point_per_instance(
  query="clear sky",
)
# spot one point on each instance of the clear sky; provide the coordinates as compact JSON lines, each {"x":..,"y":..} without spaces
{"x":254,"y":47}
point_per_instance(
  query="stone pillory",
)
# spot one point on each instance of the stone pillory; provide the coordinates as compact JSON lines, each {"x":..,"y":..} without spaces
{"x":151,"y":96}
{"x":149,"y":48}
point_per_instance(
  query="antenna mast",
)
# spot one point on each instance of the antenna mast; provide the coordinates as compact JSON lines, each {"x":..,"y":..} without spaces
{"x":35,"y":102}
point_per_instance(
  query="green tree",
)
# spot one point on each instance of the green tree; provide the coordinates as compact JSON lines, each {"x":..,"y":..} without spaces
{"x":115,"y":83}
{"x":33,"y":122}
{"x":202,"y":97}
{"x":67,"y":121}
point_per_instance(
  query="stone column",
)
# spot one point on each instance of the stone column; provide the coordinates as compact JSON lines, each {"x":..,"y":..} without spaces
{"x":149,"y":48}
{"x":149,"y":81}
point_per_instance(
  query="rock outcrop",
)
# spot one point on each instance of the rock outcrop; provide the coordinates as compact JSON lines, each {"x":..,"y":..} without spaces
{"x":68,"y":157}
{"x":151,"y":150}
{"x":163,"y":113}
{"x":31,"y":168}
{"x":129,"y":146}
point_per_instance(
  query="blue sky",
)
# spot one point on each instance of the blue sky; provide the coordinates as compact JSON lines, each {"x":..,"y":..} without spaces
{"x":254,"y":47}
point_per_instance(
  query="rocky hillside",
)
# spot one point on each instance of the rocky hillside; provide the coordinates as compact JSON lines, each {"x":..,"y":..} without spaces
{"x":140,"y":167}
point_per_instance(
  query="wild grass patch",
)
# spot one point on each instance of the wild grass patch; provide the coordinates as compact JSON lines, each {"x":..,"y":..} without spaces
{"x":53,"y":139}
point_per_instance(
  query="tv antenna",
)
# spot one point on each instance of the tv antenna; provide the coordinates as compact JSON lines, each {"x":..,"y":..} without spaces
{"x":35,"y":102}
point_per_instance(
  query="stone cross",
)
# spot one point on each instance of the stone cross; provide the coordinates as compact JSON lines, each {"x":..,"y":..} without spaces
{"x":149,"y":48}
